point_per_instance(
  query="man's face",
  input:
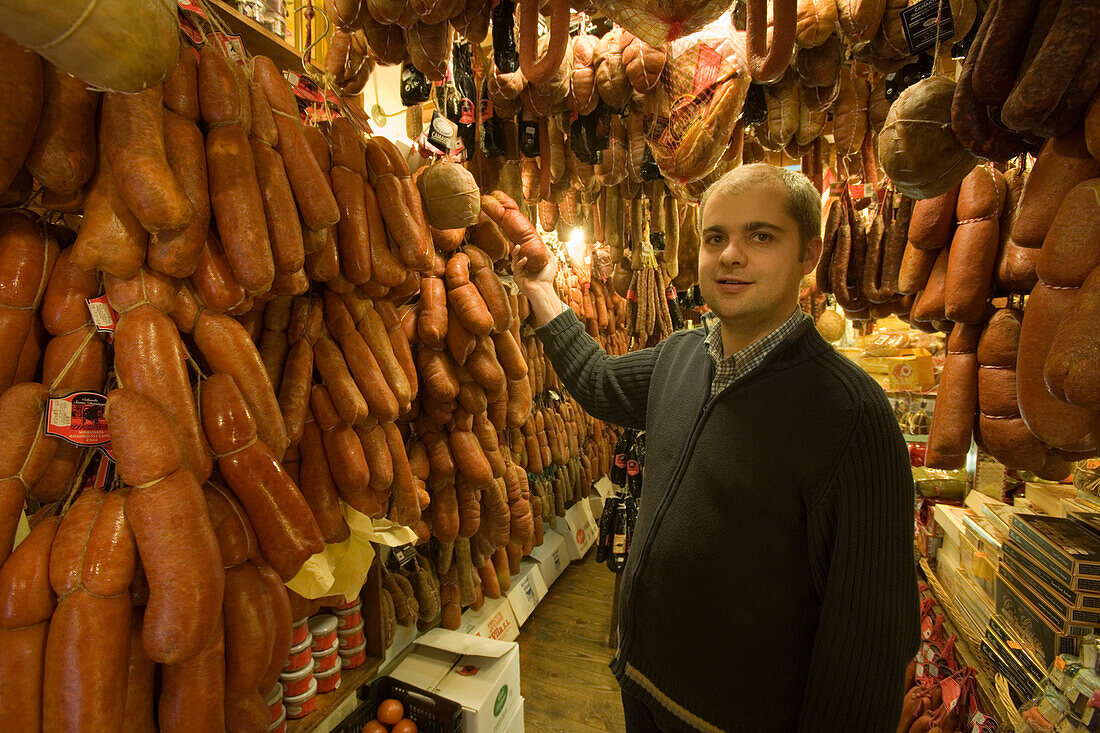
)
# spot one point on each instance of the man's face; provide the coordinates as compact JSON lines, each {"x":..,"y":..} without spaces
{"x":749,"y":266}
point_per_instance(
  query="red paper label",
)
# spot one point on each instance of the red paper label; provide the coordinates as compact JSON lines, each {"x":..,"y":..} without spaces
{"x":79,"y":418}
{"x":104,"y":472}
{"x":192,"y":18}
{"x":466,"y":112}
{"x":707,"y":68}
{"x":191,"y":7}
{"x":319,"y":113}
{"x":231,"y":46}
{"x":951,"y":693}
{"x":190,"y":30}
{"x":304,"y":88}
{"x":103,"y":315}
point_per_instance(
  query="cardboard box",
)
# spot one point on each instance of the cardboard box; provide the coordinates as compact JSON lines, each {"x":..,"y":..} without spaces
{"x":1070,"y":545}
{"x":579,"y":530}
{"x":1048,"y":497}
{"x":604,"y":488}
{"x":1036,"y":633}
{"x":551,"y":556}
{"x":596,"y":504}
{"x":482,"y":675}
{"x":914,"y":373}
{"x":514,"y":723}
{"x":950,"y":520}
{"x":425,"y":666}
{"x":602,"y":491}
{"x":528,"y":589}
{"x":494,"y":620}
{"x":402,"y":640}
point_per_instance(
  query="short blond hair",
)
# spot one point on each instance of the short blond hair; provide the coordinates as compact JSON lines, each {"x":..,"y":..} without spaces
{"x":803,"y":200}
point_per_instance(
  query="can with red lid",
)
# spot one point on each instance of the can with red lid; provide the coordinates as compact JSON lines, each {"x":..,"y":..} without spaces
{"x":326,"y":660}
{"x":274,"y":701}
{"x":279,"y":724}
{"x":300,"y":655}
{"x":349,"y":620}
{"x":302,"y":705}
{"x":274,"y":695}
{"x":329,"y":680}
{"x":352,"y":637}
{"x":299,"y":631}
{"x":298,"y":681}
{"x":277,"y":710}
{"x":352,"y":658}
{"x":323,"y":628}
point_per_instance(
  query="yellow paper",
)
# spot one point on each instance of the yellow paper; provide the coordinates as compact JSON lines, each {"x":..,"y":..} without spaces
{"x":341,"y":569}
{"x":315,"y":577}
{"x":385,"y":532}
{"x":350,"y":571}
{"x":22,"y":529}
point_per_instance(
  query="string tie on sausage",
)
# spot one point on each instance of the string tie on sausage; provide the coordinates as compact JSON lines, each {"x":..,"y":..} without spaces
{"x":88,"y":10}
{"x":235,"y":451}
{"x":999,"y":417}
{"x":73,"y":357}
{"x":976,"y":219}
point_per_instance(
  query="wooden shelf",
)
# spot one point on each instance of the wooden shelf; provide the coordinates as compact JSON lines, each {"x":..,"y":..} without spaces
{"x":259,"y":41}
{"x":350,"y":682}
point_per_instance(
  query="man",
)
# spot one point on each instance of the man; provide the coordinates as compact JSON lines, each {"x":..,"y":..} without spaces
{"x":770,"y":583}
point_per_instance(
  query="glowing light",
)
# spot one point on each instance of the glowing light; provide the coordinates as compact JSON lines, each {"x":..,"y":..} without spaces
{"x":576,"y":245}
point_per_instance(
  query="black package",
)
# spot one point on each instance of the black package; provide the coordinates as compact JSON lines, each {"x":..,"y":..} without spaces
{"x":528,"y":138}
{"x":505,"y":55}
{"x":617,"y":474}
{"x":415,"y":87}
{"x":755,"y":110}
{"x":617,"y":559}
{"x":634,"y":468}
{"x":607,"y":529}
{"x":674,"y":309}
{"x":492,"y":129}
{"x":650,"y":171}
{"x":588,"y":137}
{"x":465,"y":90}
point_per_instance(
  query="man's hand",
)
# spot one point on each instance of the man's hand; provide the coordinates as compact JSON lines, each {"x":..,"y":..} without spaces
{"x":538,"y":288}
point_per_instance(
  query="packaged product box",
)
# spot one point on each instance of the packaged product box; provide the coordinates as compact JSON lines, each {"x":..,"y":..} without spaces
{"x":1035,"y":631}
{"x":1049,"y":497}
{"x":604,"y":488}
{"x":910,"y":373}
{"x":528,"y":589}
{"x":551,"y":556}
{"x":950,"y":520}
{"x":494,"y":620}
{"x":602,"y":491}
{"x":1070,"y":545}
{"x":579,"y":530}
{"x":514,"y":723}
{"x":481,"y":675}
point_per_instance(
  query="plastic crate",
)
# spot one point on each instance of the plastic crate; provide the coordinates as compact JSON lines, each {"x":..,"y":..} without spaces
{"x":430,"y":712}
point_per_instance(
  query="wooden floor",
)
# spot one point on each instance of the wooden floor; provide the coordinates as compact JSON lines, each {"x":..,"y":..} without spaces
{"x":564,"y":655}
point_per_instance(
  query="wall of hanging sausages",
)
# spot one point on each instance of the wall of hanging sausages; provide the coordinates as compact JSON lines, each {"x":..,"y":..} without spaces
{"x":300,"y":323}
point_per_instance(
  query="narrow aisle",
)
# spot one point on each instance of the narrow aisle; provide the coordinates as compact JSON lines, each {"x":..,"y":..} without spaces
{"x":564,"y":656}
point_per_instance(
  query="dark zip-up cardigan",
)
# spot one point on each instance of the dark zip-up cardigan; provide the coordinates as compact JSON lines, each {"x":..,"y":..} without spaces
{"x":770,"y":584}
